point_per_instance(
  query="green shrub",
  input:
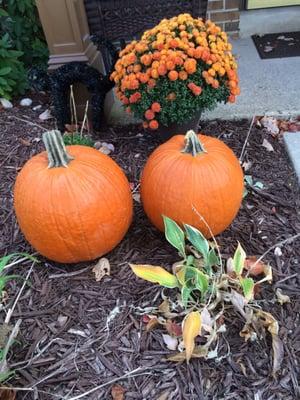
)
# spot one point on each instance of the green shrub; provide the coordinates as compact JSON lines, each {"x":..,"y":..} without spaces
{"x":22,"y":45}
{"x":12,"y":71}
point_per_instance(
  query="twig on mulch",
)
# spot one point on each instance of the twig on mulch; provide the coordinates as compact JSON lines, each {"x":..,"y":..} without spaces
{"x":68,"y":274}
{"x":246,"y":140}
{"x":28,"y":122}
{"x":271,"y":197}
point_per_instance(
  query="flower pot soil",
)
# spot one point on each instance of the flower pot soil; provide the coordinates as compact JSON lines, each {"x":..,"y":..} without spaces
{"x":67,"y":345}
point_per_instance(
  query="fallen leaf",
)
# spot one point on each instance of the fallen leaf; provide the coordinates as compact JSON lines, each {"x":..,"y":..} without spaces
{"x":191,"y":329}
{"x":253,"y":267}
{"x":117,"y":392}
{"x":164,"y":309}
{"x":267,"y":145}
{"x":45,"y":115}
{"x":198,"y":352}
{"x":151,"y":324}
{"x":247,"y":165}
{"x":164,"y":396}
{"x":238,"y":301}
{"x":206,"y":320}
{"x":25,"y":142}
{"x":271,"y":125}
{"x":282,"y":298}
{"x":136,"y":197}
{"x":173,"y":328}
{"x":7,"y":393}
{"x":101,"y":269}
{"x":170,"y":341}
{"x":267,"y":49}
{"x":270,"y":323}
{"x":248,"y":333}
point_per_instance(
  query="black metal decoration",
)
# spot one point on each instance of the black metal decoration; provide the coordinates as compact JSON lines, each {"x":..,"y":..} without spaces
{"x":60,"y":80}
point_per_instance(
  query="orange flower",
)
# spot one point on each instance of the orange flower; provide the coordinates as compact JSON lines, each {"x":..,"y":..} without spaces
{"x":156,"y":107}
{"x":134,"y":84}
{"x":162,"y":69}
{"x":170,"y":65}
{"x":135,"y":97}
{"x":145,"y":125}
{"x":190,"y":65}
{"x":173,"y":43}
{"x":215,"y":84}
{"x":144,"y":78}
{"x":173,"y":75}
{"x":231,"y":98}
{"x":153,"y":124}
{"x":183,"y":75}
{"x":151,"y":83}
{"x":154,"y":73}
{"x":146,"y":59}
{"x":149,"y":114}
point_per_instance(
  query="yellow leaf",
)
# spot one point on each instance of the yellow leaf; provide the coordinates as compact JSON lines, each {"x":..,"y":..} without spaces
{"x":191,"y":329}
{"x":155,"y":274}
{"x":198,"y":352}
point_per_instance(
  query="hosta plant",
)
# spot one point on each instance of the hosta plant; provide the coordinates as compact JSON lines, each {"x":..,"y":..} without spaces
{"x":204,"y":289}
{"x":182,"y":66}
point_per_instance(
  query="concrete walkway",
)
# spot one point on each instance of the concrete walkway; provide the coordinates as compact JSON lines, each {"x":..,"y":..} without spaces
{"x":269,"y":87}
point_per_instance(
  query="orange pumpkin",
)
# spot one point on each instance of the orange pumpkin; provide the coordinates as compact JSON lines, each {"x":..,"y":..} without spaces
{"x":72,"y":204}
{"x":193,"y":179}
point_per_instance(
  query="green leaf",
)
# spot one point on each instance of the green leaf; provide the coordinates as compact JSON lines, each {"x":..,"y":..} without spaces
{"x":212,"y":258}
{"x":239,"y":260}
{"x":5,"y":71}
{"x":193,"y":279}
{"x":5,"y":279}
{"x":248,"y":287}
{"x":5,"y":260}
{"x":197,"y":240}
{"x":174,"y":235}
{"x":185,"y":295}
{"x":155,"y":274}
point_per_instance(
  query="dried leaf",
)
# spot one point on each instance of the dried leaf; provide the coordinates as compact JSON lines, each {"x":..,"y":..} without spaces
{"x":117,"y":392}
{"x":173,"y":328}
{"x":248,"y":333}
{"x":151,"y":324}
{"x":238,"y":301}
{"x":206,"y":320}
{"x":198,"y":352}
{"x":7,"y":394}
{"x":191,"y":329}
{"x":270,"y":323}
{"x":164,"y":396}
{"x":155,"y":274}
{"x":267,"y":145}
{"x":45,"y":115}
{"x":271,"y":125}
{"x":25,"y":142}
{"x":282,"y":298}
{"x":253,"y":266}
{"x":136,"y":197}
{"x":247,"y":165}
{"x":170,"y":341}
{"x":101,"y":269}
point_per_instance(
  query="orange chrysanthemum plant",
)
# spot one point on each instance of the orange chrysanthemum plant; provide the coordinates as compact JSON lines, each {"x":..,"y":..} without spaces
{"x":180,"y":67}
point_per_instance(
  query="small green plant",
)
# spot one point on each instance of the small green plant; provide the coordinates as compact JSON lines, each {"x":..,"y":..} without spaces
{"x":76,"y":138}
{"x":8,"y":333}
{"x":205,"y":286}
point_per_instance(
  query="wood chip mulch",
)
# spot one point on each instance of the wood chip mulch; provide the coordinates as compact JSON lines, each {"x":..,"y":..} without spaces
{"x":77,"y":334}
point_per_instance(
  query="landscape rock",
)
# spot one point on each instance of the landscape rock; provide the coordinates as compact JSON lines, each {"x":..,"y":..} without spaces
{"x":5,"y":103}
{"x":26,"y":102}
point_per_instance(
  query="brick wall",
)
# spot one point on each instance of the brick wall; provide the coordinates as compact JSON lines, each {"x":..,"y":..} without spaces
{"x":226,"y":14}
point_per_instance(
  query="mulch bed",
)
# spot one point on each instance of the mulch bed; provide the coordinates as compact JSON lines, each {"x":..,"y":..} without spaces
{"x":66,"y":347}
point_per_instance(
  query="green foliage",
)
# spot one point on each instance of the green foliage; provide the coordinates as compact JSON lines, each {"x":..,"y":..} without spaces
{"x":22,"y":45}
{"x":25,"y":32}
{"x":185,"y":104}
{"x":12,"y":71}
{"x":76,"y":138}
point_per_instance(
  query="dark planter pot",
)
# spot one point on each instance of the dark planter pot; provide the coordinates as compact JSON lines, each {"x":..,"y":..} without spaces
{"x":166,"y":132}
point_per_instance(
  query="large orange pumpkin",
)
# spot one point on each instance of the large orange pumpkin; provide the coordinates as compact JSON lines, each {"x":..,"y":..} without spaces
{"x":72,"y":204}
{"x":193,"y":179}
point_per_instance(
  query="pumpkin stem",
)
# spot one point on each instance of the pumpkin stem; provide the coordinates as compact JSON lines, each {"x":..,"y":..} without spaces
{"x":193,"y":145}
{"x":56,"y":149}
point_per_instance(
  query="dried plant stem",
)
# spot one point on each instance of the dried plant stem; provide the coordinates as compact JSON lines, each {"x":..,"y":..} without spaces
{"x":18,"y":261}
{"x":73,"y":108}
{"x":131,"y":374}
{"x":84,"y":118}
{"x":246,"y":140}
{"x":12,"y":336}
{"x":289,"y":239}
{"x":11,"y":310}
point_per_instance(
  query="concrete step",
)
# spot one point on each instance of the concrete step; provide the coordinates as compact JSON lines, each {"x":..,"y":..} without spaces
{"x":292,"y":143}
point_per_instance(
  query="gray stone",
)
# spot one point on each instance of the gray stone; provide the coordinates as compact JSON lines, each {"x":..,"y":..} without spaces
{"x":292,"y":143}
